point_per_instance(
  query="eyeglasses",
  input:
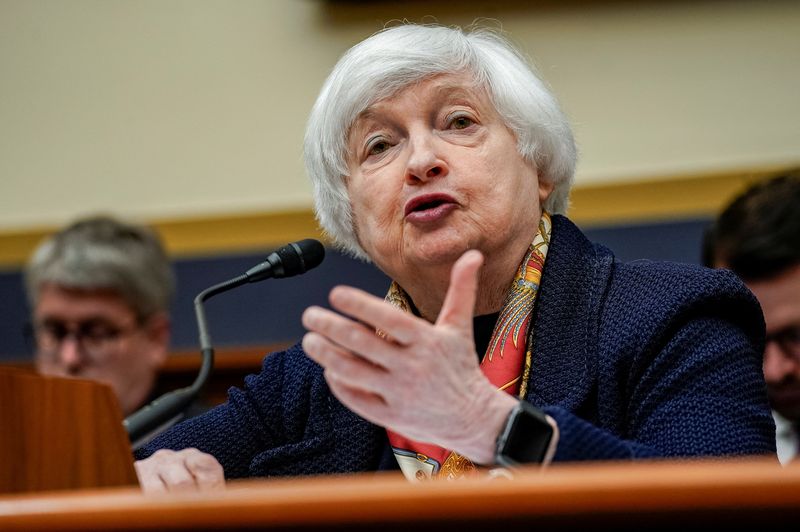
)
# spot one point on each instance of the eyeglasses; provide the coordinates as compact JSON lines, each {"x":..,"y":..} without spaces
{"x":788,"y":340}
{"x":94,"y":337}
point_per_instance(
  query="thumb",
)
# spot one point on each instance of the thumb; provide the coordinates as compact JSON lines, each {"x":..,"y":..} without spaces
{"x":459,"y":303}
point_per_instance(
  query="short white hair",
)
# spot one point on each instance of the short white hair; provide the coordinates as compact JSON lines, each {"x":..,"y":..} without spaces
{"x":394,"y":58}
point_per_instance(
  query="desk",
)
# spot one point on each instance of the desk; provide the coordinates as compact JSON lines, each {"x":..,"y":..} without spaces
{"x":622,"y":496}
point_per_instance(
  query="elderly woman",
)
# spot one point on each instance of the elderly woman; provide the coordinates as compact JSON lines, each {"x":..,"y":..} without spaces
{"x":506,"y":337}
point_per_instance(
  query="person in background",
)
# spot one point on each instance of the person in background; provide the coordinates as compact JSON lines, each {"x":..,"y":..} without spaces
{"x":506,"y":337}
{"x":100,"y":292}
{"x":758,"y":237}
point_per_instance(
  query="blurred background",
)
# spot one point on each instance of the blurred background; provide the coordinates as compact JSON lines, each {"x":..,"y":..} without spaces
{"x":189,"y":115}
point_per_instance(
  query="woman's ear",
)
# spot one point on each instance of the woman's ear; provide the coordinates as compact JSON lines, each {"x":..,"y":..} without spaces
{"x":545,"y":189}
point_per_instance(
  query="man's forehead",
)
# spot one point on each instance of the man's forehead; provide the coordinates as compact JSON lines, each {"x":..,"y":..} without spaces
{"x":61,"y":299}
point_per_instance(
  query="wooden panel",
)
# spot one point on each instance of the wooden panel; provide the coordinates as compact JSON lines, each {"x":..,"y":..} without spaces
{"x":625,"y":496}
{"x":660,"y":199}
{"x":192,"y":236}
{"x":60,"y":434}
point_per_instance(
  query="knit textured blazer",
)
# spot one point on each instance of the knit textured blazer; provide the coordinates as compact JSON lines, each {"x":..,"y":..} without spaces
{"x":632,"y":360}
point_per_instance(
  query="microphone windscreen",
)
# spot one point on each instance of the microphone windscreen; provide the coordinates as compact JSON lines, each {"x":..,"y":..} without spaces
{"x":299,"y":257}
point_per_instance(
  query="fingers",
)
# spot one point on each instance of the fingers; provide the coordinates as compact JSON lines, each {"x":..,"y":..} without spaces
{"x":459,"y":303}
{"x":350,"y":335}
{"x":185,"y":470}
{"x":369,"y":406}
{"x":149,"y":480}
{"x":343,"y":365}
{"x":402,"y":327}
{"x":207,"y":472}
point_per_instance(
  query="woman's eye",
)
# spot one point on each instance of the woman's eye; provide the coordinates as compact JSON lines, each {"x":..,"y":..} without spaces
{"x":377,"y":147}
{"x":461,"y":122}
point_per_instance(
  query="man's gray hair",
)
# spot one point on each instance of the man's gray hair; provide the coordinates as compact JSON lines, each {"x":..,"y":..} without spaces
{"x":397,"y":57}
{"x":102,"y":253}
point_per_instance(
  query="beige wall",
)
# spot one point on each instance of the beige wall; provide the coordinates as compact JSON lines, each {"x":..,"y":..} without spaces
{"x":164,"y":109}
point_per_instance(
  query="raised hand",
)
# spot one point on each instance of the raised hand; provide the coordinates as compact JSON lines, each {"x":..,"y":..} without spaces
{"x":422,"y":380}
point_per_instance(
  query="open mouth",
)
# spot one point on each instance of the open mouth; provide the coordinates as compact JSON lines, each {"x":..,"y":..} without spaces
{"x":427,"y":202}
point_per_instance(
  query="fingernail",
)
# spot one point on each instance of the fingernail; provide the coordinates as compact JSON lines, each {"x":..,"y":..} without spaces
{"x":474,"y":254}
{"x":337,"y":292}
{"x":308,"y":317}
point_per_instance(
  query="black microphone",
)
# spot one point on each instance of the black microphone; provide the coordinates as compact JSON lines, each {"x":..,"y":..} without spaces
{"x":292,"y":259}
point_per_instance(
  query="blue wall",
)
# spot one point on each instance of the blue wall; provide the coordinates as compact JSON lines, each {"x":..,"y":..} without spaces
{"x":677,"y":241}
{"x":270,"y":311}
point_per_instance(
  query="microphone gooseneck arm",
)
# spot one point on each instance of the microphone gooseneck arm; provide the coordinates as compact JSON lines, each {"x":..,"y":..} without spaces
{"x":200,"y":314}
{"x":290,"y":260}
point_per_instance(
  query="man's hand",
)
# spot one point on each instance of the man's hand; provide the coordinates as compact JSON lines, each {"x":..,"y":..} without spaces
{"x":186,"y":470}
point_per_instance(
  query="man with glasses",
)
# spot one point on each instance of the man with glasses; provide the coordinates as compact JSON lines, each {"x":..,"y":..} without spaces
{"x":100,"y":291}
{"x":758,"y":237}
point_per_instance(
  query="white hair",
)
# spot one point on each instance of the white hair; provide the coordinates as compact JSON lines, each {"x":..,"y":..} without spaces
{"x":394,"y":58}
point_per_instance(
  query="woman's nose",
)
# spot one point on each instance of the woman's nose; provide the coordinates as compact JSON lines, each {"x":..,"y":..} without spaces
{"x":424,"y":161}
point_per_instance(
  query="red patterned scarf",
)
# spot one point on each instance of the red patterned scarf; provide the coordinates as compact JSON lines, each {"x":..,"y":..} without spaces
{"x":507,"y":362}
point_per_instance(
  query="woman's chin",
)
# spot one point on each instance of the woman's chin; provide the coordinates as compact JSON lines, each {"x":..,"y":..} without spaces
{"x":439,"y":252}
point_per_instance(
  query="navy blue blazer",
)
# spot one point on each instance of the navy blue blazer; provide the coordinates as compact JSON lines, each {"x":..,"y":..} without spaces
{"x":632,"y":360}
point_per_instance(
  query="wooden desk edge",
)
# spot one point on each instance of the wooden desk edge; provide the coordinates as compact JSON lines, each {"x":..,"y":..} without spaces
{"x":563,"y":490}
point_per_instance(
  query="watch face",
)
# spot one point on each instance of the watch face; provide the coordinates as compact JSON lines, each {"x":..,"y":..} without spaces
{"x":526,"y":438}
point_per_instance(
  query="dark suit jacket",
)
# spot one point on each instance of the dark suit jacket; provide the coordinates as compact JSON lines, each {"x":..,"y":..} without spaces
{"x":632,"y":360}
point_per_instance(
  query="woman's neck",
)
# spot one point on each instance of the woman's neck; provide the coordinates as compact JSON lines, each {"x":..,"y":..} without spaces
{"x":427,"y":290}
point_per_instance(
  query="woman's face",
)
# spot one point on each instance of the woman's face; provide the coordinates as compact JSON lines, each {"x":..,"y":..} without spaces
{"x":434,"y":172}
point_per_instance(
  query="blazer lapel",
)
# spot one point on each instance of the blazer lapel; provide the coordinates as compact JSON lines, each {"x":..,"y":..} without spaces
{"x":565,"y":318}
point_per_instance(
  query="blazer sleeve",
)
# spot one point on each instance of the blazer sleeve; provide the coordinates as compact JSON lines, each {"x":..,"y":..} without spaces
{"x":236,"y":431}
{"x":678,"y":373}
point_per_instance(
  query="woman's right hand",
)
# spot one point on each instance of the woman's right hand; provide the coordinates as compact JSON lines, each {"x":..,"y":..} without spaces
{"x":185,"y":470}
